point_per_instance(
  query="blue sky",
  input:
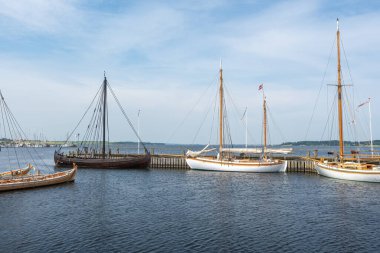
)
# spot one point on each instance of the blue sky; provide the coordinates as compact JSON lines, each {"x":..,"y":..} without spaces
{"x":160,"y":56}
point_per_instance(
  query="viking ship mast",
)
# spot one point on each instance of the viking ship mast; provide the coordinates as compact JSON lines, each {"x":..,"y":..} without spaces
{"x":221,"y":110}
{"x":340,"y":113}
{"x":104,"y":115}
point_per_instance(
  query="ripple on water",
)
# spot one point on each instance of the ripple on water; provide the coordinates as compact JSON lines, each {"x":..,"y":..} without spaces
{"x":170,"y":210}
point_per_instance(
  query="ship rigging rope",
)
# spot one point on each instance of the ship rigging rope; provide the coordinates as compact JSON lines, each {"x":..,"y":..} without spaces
{"x":348,"y":124}
{"x":92,"y":137}
{"x":213,"y":118}
{"x":92,"y":132}
{"x":227,"y":138}
{"x":330,"y":114}
{"x":333,"y":127}
{"x":16,"y":132}
{"x":269,"y":134}
{"x":192,"y":109}
{"x":88,"y":108}
{"x":2,"y":115}
{"x":204,"y":118}
{"x":319,"y":92}
{"x":5,"y":134}
{"x":348,"y":66}
{"x":361,"y":126}
{"x":351,"y":126}
{"x":271,"y":117}
{"x":127,"y":118}
{"x":237,"y":115}
{"x":352,"y":108}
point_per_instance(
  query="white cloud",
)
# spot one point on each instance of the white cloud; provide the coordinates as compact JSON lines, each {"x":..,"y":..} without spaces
{"x":38,"y":15}
{"x":159,"y":57}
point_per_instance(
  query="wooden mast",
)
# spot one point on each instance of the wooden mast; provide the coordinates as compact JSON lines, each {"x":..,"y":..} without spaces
{"x":265,"y":124}
{"x":340,"y":111}
{"x":104,"y":114}
{"x":221,"y":110}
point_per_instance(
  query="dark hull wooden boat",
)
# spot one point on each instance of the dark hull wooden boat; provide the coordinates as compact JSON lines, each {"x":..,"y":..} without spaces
{"x":37,"y":180}
{"x":95,"y":150}
{"x":118,"y":162}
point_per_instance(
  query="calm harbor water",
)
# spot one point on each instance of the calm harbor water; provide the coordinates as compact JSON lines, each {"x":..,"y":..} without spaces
{"x":177,"y":210}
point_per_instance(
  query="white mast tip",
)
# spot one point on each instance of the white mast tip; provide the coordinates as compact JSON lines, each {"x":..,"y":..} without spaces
{"x":220,"y":62}
{"x":337,"y":24}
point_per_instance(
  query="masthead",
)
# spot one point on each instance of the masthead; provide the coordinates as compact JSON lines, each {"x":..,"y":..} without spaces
{"x":337,"y":24}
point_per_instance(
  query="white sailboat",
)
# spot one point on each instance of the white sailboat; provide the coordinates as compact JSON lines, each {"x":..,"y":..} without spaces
{"x":224,"y":162}
{"x":345,"y":168}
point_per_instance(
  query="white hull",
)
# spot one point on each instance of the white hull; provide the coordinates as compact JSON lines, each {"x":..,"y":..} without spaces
{"x":347,"y":174}
{"x":235,"y":166}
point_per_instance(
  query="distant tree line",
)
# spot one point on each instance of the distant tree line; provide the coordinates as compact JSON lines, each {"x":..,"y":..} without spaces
{"x":329,"y":143}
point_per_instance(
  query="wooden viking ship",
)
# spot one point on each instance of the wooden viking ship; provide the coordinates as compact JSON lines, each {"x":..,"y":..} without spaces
{"x":30,"y":176}
{"x":94,"y":150}
{"x":225,"y":160}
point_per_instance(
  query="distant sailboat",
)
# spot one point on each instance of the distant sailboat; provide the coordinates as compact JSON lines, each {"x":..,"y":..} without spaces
{"x":30,"y":176}
{"x":345,"y":169}
{"x":94,"y":150}
{"x":229,"y":163}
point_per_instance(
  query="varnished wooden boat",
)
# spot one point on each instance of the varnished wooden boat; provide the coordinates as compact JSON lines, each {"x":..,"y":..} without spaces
{"x":37,"y":180}
{"x":116,"y":162}
{"x":30,"y":176}
{"x":16,"y":173}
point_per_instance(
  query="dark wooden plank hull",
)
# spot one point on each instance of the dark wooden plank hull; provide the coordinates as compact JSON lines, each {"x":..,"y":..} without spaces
{"x":127,"y":162}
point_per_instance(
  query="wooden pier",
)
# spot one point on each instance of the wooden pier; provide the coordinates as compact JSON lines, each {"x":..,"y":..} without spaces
{"x":295,"y":164}
{"x":168,"y":162}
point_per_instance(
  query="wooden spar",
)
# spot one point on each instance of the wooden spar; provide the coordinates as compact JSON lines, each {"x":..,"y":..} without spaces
{"x":104,"y":115}
{"x":265,"y":125}
{"x":340,"y":112}
{"x":221,"y":111}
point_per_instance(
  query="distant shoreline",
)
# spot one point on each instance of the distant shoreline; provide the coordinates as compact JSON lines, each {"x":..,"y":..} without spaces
{"x":295,"y":143}
{"x":329,"y":143}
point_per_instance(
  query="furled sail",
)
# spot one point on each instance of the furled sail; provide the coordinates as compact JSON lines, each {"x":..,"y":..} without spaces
{"x":258,"y":150}
{"x":190,"y":153}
